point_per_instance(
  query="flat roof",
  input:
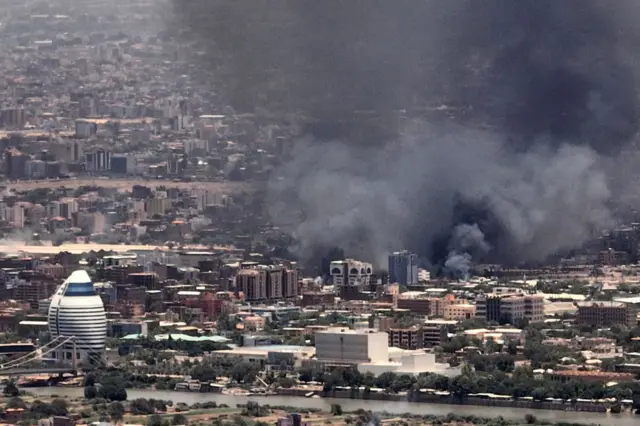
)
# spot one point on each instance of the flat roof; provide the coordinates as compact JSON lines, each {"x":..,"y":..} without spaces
{"x":601,"y":304}
{"x":178,"y":336}
{"x":341,"y":330}
{"x":264,"y":350}
{"x":27,"y":322}
{"x":631,"y":300}
{"x":440,"y":322}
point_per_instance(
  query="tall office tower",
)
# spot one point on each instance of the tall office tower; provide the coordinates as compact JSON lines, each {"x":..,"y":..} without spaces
{"x":77,"y":311}
{"x":403,"y":268}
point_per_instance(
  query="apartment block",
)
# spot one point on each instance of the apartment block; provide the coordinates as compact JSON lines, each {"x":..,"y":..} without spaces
{"x":507,"y":308}
{"x":435,"y":332}
{"x":605,"y":314}
{"x":290,"y":283}
{"x":252,"y":283}
{"x":459,"y":311}
{"x":419,"y":304}
{"x":406,"y":338}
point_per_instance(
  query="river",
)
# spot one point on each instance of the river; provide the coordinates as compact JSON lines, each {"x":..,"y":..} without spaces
{"x":605,"y":419}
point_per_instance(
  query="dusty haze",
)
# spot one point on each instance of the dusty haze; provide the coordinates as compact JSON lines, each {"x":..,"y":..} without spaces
{"x":542,"y":94}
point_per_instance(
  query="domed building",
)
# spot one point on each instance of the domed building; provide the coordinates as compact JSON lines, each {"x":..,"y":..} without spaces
{"x":77,"y":311}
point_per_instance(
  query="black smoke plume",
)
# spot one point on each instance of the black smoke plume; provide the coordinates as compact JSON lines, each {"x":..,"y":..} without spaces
{"x":425,"y":116}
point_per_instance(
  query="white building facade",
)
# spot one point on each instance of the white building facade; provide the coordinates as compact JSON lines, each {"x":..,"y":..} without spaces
{"x":351,"y":273}
{"x":77,"y":312}
{"x":351,"y":346}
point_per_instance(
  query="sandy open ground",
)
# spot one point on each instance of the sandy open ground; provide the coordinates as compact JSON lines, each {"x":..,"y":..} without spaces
{"x":10,"y":247}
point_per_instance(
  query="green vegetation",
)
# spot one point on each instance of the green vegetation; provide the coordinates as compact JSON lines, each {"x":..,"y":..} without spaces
{"x":11,"y":389}
{"x":520,"y":383}
{"x":253,"y":409}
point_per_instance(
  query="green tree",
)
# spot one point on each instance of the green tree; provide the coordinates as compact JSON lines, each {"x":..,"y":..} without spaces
{"x":11,"y":389}
{"x":305,"y":375}
{"x":16,"y":402}
{"x":385,"y":380}
{"x":319,"y":377}
{"x":253,"y":409}
{"x":244,"y":372}
{"x":59,"y":407}
{"x":179,"y":419}
{"x":204,"y":373}
{"x":89,"y":380}
{"x":239,"y":421}
{"x":539,"y":394}
{"x":336,"y":409}
{"x":90,"y":392}
{"x":116,"y":411}
{"x":40,"y":409}
{"x":141,"y":406}
{"x":113,"y":389}
{"x":461,"y":386}
{"x":155,"y":420}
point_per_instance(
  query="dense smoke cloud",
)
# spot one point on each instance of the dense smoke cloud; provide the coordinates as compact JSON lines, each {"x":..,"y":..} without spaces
{"x":370,"y":201}
{"x":541,"y":93}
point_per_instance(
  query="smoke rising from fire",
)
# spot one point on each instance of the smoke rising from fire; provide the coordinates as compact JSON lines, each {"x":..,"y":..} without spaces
{"x":540,"y":95}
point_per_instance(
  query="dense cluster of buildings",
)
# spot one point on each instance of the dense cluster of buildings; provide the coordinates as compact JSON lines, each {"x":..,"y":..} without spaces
{"x":105,"y":141}
{"x":90,"y":96}
{"x":183,"y":294}
{"x":90,"y":93}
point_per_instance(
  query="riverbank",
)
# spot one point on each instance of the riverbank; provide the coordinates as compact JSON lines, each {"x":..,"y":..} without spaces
{"x":446,"y":399}
{"x":419,"y":396}
{"x":395,"y":407}
{"x":29,"y":408}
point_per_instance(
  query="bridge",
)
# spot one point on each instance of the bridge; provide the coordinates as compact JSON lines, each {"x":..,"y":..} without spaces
{"x":35,"y":362}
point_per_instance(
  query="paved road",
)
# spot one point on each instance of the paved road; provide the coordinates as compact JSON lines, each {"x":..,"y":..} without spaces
{"x":223,"y":187}
{"x":20,"y":247}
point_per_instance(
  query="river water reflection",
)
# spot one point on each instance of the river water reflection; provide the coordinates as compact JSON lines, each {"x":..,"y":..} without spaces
{"x":625,"y":419}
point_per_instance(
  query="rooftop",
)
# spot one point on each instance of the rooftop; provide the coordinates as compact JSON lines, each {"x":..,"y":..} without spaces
{"x":341,"y":330}
{"x":178,"y":336}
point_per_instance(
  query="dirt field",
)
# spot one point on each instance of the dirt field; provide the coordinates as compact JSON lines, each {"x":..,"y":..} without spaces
{"x":17,"y":247}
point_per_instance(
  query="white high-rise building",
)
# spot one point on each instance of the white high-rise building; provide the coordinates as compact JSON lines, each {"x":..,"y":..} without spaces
{"x":352,"y":346}
{"x":77,"y":311}
{"x":346,"y":273}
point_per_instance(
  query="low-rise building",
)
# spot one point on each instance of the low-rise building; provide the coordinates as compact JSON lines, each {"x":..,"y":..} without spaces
{"x":369,"y":352}
{"x":270,"y":357}
{"x":507,"y":308}
{"x":459,"y":311}
{"x":406,"y":338}
{"x":435,"y":332}
{"x":351,"y":346}
{"x":604,"y":314}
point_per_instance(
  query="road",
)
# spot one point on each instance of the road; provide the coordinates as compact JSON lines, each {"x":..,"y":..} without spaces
{"x":222,"y":187}
{"x":20,"y":247}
